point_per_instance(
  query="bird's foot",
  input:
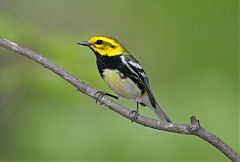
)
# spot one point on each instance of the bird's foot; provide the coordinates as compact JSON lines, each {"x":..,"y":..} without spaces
{"x":101,"y":94}
{"x":134,"y":114}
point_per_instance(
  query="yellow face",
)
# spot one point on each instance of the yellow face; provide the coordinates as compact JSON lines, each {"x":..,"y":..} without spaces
{"x":106,"y":46}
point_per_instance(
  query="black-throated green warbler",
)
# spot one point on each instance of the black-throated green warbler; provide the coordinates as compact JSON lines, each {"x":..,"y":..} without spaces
{"x":123,"y":73}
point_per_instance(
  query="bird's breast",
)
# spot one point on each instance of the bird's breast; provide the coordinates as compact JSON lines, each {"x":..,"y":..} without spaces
{"x":120,"y":84}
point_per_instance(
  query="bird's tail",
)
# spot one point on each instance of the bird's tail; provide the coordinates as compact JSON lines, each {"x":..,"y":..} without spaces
{"x":156,"y":108}
{"x":161,"y":114}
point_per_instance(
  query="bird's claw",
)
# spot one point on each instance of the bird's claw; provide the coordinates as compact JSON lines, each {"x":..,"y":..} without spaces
{"x":100,"y":96}
{"x":134,"y":114}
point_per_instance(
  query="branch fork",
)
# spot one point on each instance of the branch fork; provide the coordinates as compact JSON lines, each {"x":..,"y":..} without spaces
{"x":194,"y":124}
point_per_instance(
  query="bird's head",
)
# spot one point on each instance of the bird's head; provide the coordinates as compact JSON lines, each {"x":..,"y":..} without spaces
{"x":104,"y":46}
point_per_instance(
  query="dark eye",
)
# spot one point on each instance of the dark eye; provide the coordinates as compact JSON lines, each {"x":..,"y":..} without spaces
{"x":99,"y":42}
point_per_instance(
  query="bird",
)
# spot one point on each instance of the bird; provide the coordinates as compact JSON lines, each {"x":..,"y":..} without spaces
{"x":123,"y":74}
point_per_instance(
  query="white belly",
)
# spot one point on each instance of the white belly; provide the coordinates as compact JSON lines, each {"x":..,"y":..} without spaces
{"x":123,"y":87}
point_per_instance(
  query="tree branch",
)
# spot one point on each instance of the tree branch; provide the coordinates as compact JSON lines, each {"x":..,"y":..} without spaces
{"x":193,"y":128}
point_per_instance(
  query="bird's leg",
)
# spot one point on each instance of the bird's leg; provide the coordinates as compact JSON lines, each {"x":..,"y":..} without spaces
{"x":135,"y":113}
{"x":101,"y":94}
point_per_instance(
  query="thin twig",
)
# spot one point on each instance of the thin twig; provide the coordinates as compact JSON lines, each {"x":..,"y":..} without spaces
{"x":193,"y":128}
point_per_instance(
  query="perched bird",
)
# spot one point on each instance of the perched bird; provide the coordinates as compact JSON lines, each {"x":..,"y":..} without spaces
{"x":123,"y":73}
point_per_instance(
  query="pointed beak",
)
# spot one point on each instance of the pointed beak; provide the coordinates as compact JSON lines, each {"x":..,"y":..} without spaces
{"x":84,"y":43}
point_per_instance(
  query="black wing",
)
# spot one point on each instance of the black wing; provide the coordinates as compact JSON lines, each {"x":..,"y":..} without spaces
{"x":140,"y":75}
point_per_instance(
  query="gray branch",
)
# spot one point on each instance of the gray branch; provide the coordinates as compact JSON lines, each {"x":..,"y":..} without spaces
{"x":194,"y":128}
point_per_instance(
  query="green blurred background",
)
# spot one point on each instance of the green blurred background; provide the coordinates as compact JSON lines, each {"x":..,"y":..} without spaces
{"x":188,"y":48}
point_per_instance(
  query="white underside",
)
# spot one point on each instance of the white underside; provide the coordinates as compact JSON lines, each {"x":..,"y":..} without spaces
{"x":124,"y":87}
